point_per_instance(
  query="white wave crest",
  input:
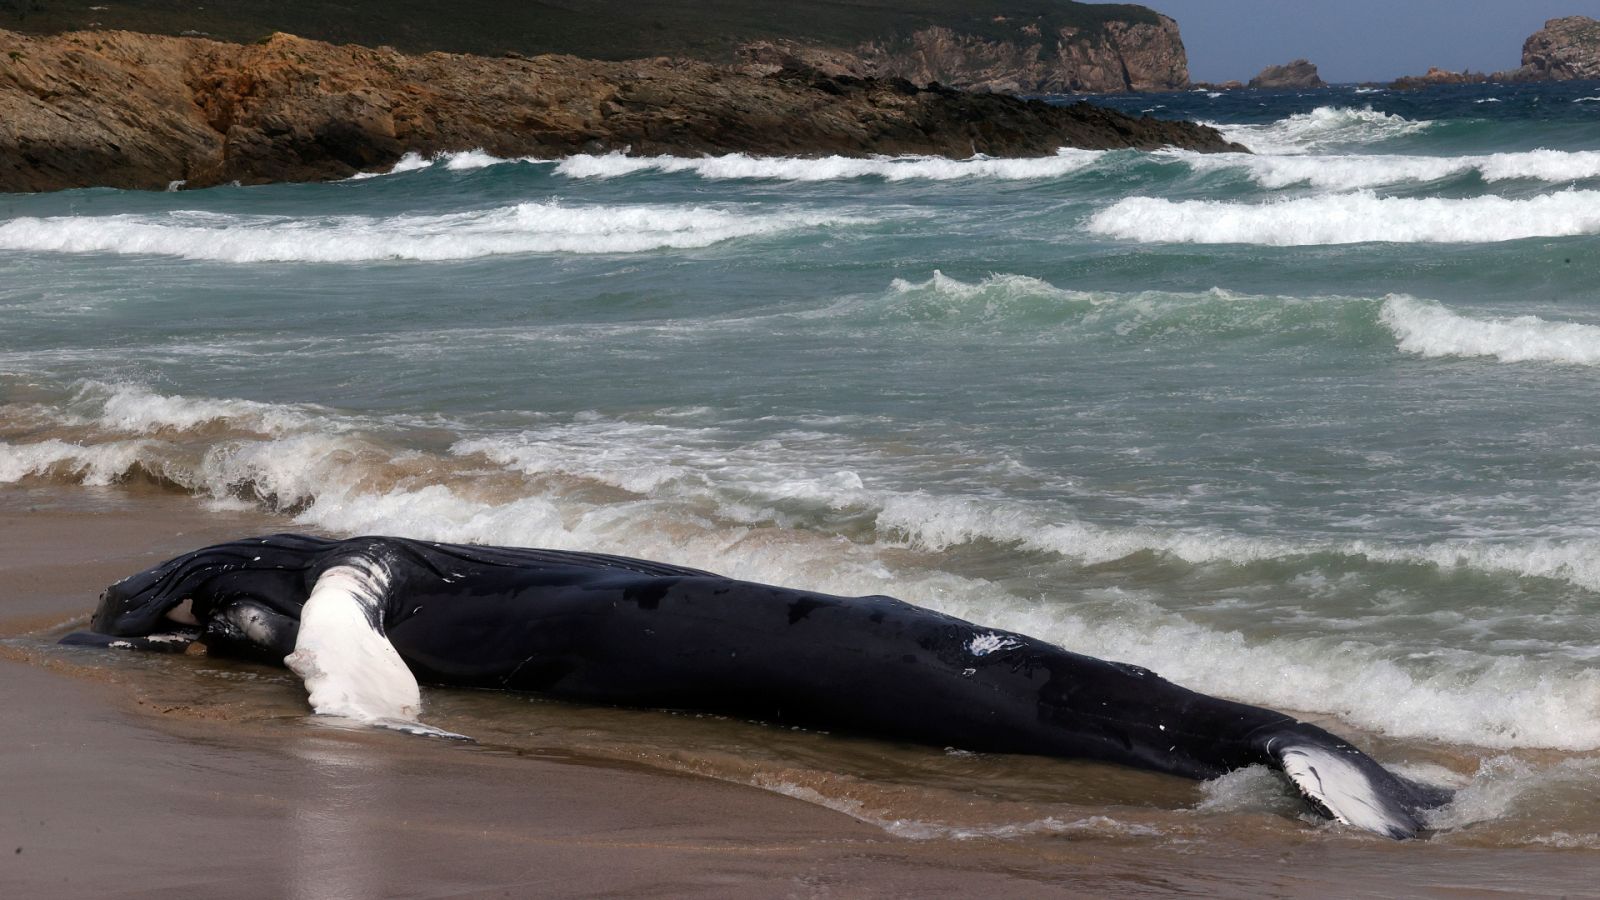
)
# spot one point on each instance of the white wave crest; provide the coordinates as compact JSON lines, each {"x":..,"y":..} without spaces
{"x":664,"y":461}
{"x":1323,"y":128}
{"x":997,"y":296}
{"x":410,"y":162}
{"x":834,"y":168}
{"x":1355,"y":172}
{"x":936,"y":524}
{"x":136,"y":409}
{"x":524,"y":228}
{"x":1429,"y":329}
{"x":1350,"y":219}
{"x":467,"y":160}
{"x":94,"y":464}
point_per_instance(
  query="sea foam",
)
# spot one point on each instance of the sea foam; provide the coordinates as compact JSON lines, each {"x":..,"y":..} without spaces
{"x":833,"y":168}
{"x":1336,"y":172}
{"x":1430,"y":329}
{"x":1349,"y":219}
{"x":549,"y":227}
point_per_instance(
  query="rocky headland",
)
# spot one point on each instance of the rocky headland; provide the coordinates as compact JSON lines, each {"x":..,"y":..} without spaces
{"x":127,"y":110}
{"x":1009,"y":46}
{"x":1566,"y":49}
{"x":1117,"y":57}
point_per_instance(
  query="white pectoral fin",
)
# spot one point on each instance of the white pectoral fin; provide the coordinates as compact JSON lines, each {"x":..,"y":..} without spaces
{"x":345,"y":659}
{"x":1348,"y":785}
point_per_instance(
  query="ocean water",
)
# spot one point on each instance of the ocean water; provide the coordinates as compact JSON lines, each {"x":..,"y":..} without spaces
{"x":1314,"y":428}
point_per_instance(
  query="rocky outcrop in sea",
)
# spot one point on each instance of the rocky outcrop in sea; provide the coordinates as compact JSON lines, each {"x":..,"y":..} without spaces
{"x":1564,"y":50}
{"x":1301,"y":73}
{"x":121,"y":109}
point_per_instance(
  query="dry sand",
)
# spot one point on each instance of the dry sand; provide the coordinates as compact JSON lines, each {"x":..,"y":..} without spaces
{"x":107,"y":793}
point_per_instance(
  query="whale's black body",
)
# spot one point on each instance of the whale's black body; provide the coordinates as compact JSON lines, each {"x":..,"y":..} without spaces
{"x":613,"y":630}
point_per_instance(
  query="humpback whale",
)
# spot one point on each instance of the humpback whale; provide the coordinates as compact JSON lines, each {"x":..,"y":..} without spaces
{"x":363,"y":620}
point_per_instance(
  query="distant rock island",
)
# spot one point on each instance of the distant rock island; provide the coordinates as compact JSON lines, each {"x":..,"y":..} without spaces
{"x":1301,"y":73}
{"x":1011,"y":46}
{"x":127,"y":110}
{"x":1566,"y":49}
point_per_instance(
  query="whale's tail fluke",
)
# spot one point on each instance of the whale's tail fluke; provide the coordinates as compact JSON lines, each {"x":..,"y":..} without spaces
{"x":1348,"y":785}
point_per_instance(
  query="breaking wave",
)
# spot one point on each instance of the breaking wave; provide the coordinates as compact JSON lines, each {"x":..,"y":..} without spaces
{"x":549,"y":227}
{"x":741,"y":166}
{"x":1355,"y":172}
{"x":1349,"y":219}
{"x":833,"y":168}
{"x":1429,"y":329}
{"x":1324,"y":128}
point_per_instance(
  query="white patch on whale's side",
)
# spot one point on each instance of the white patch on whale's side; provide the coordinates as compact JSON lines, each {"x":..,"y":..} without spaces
{"x":985,"y":644}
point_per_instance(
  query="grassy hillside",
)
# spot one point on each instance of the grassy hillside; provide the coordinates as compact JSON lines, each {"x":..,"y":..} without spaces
{"x":602,"y":29}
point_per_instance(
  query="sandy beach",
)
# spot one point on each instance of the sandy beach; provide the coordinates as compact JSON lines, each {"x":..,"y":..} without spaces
{"x":118,"y":786}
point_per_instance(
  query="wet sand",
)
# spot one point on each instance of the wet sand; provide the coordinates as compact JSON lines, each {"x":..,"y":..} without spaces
{"x":114,"y":789}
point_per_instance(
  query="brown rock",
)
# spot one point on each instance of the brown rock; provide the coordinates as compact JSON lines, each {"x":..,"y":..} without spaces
{"x":1436,"y":76}
{"x":1564,"y":50}
{"x":138,"y":111}
{"x":1301,"y":73}
{"x":1117,"y":57}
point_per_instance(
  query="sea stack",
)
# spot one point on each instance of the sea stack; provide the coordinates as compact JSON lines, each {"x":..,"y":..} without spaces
{"x":1301,"y":73}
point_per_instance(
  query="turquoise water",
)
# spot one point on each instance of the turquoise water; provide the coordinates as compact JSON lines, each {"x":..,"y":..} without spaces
{"x":1312,"y":428}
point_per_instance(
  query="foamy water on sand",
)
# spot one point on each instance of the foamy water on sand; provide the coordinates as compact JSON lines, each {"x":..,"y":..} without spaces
{"x":1310,"y":428}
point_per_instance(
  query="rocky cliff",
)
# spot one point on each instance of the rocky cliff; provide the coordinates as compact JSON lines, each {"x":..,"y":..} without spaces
{"x":138,"y":111}
{"x":1006,"y":45}
{"x":1115,"y":57}
{"x":1564,"y":50}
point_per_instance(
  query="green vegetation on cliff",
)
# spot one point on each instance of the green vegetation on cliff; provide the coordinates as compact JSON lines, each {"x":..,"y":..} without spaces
{"x":598,"y":29}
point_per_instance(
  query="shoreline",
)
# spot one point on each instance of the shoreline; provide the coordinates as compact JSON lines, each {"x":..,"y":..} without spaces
{"x":195,"y":112}
{"x":113,"y":750}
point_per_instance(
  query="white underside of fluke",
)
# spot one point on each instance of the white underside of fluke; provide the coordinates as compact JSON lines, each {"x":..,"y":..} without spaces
{"x":347,"y":663}
{"x":1330,"y":778}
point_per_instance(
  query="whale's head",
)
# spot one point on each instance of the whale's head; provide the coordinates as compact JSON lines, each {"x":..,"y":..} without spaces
{"x":270,"y":569}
